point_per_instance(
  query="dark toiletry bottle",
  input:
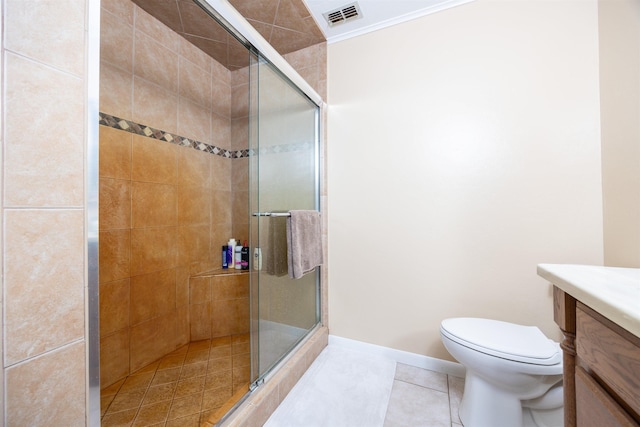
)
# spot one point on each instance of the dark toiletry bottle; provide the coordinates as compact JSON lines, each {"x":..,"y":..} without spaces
{"x":245,"y":256}
{"x":224,"y":257}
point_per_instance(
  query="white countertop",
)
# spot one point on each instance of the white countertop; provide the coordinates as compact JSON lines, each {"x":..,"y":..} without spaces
{"x":611,"y":291}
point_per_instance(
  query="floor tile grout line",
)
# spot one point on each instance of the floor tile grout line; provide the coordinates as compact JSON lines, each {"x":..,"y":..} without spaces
{"x":111,"y":402}
{"x":148,"y":386}
{"x":449,"y":401}
{"x":182,"y":364}
{"x":423,"y":386}
{"x":449,"y":389}
{"x":173,"y":395}
{"x":135,"y":418}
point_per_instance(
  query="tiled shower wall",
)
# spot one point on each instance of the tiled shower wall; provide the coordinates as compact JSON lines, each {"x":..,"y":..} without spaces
{"x":157,"y":210}
{"x":44,"y":82}
{"x":165,"y":209}
{"x":219,"y":304}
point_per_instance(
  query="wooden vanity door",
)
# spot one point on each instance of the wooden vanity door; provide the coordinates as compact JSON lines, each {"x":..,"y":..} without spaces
{"x":595,"y":407}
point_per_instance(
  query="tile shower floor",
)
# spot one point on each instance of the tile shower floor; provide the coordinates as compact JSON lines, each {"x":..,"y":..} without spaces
{"x":184,"y":388}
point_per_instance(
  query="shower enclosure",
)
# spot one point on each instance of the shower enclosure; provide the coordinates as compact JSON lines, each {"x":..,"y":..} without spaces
{"x":245,"y":146}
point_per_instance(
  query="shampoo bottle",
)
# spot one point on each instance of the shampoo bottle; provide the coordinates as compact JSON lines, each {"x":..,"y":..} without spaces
{"x":237,"y":262}
{"x":231,"y":246}
{"x":224,"y":257}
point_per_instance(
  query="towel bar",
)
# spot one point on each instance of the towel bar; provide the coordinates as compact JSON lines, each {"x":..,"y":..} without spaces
{"x":271,"y":214}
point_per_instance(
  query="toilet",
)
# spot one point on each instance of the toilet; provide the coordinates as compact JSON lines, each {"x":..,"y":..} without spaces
{"x":513,"y":373}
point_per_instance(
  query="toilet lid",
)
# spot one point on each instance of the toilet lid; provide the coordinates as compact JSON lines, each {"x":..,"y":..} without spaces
{"x":519,"y":343}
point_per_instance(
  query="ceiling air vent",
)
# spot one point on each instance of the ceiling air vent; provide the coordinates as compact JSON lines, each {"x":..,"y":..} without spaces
{"x":343,"y":14}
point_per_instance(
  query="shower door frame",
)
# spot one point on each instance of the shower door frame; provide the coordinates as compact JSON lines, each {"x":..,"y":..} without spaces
{"x":257,"y":62}
{"x":262,"y":51}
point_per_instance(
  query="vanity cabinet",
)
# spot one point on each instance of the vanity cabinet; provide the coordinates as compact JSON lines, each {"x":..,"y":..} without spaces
{"x":601,"y":366}
{"x":598,"y":310}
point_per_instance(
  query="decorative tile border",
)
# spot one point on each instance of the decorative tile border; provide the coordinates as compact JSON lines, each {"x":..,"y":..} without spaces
{"x":143,"y":130}
{"x":148,"y":131}
{"x":285,"y":148}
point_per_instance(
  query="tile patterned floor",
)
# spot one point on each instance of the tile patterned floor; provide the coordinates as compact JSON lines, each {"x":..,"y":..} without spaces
{"x":424,"y":398}
{"x":184,"y":388}
{"x":346,"y":388}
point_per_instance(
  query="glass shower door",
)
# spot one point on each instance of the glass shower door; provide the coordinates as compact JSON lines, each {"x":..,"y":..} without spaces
{"x":283,"y":173}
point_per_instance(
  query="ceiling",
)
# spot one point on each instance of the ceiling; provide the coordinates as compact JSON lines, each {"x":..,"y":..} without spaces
{"x":288,"y":25}
{"x":375,"y":14}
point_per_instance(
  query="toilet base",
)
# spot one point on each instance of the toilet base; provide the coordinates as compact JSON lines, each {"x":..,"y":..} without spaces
{"x":492,"y":407}
{"x":488,"y":407}
{"x":529,"y":417}
{"x":547,"y":410}
{"x":543,"y":418}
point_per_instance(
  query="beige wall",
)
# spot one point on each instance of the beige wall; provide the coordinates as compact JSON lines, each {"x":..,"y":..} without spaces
{"x":619,"y":34}
{"x":463,"y":151}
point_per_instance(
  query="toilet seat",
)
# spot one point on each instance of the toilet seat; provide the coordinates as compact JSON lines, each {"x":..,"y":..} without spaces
{"x":525,"y":344}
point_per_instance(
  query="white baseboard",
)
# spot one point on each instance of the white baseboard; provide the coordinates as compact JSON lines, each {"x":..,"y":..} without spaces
{"x":412,"y":359}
